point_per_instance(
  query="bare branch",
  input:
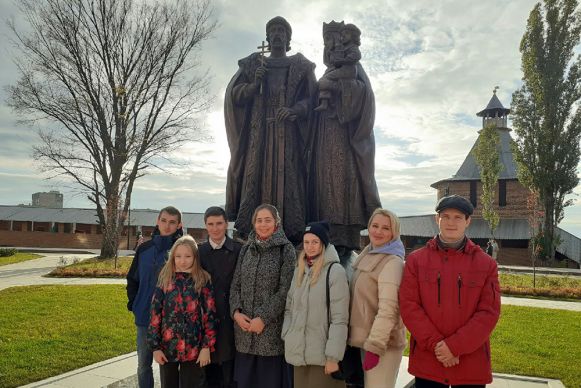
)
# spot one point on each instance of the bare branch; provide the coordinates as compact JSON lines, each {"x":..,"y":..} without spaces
{"x":118,"y":80}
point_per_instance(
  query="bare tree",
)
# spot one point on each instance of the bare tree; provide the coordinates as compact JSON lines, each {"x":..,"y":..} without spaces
{"x":117,"y":79}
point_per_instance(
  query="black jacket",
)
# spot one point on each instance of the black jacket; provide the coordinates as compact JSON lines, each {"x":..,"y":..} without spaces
{"x":220,"y":264}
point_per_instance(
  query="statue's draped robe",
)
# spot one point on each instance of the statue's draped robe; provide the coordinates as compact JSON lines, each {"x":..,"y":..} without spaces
{"x":267,"y":163}
{"x":343,"y":170}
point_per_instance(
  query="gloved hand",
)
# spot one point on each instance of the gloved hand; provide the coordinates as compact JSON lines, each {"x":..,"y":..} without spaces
{"x":370,"y":361}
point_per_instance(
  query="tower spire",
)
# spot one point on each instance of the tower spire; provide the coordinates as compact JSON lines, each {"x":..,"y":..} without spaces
{"x":494,"y":113}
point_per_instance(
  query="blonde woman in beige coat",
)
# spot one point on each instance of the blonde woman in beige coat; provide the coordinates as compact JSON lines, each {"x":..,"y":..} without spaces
{"x":375,"y":325}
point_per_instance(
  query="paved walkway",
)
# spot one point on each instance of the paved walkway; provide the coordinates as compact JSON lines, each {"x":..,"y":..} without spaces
{"x":542,"y":303}
{"x":119,"y":372}
{"x":30,"y":272}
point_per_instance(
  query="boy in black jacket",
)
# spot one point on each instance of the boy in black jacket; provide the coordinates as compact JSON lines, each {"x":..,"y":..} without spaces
{"x":218,"y":256}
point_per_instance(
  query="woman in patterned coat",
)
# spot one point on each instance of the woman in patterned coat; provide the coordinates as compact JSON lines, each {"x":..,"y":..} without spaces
{"x":257,"y":301}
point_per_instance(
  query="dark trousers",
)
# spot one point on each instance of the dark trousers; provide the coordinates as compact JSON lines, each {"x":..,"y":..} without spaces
{"x":423,"y":383}
{"x":220,"y":375}
{"x":252,"y":371}
{"x":182,"y":374}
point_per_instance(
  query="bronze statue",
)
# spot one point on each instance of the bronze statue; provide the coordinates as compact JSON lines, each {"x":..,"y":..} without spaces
{"x":342,"y":176}
{"x":341,"y":57}
{"x":267,"y":105}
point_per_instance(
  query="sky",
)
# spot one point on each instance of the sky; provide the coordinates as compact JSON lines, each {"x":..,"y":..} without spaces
{"x":432,"y":66}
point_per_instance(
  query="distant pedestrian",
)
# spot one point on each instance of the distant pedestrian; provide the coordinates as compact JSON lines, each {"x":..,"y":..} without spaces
{"x":142,"y":277}
{"x":182,"y":331}
{"x":488,"y":249}
{"x":139,"y":240}
{"x":494,"y":245}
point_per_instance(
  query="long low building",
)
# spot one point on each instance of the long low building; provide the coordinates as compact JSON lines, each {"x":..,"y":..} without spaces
{"x":513,"y":236}
{"x":27,"y":226}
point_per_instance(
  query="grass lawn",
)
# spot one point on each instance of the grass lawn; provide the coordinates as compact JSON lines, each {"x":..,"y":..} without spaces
{"x":48,"y":330}
{"x":17,"y":258}
{"x":95,"y":268}
{"x":546,"y":285}
{"x":538,"y":342}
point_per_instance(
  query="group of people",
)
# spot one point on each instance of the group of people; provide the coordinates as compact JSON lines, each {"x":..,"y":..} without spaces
{"x":262,"y":315}
{"x":492,"y":248}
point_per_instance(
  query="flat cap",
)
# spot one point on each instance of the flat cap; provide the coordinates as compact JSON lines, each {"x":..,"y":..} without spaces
{"x":455,"y":202}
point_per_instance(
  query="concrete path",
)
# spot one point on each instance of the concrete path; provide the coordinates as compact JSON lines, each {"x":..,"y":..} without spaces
{"x":119,"y":372}
{"x":116,"y":372}
{"x":30,"y":272}
{"x":542,"y":303}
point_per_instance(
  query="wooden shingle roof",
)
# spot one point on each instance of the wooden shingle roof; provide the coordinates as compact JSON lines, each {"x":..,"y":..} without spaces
{"x":469,"y":170}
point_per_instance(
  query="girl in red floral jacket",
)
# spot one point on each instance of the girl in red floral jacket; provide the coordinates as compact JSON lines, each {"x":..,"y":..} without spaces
{"x":182,"y":327}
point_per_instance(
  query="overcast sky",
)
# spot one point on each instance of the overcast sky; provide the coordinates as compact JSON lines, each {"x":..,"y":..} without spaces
{"x":432,"y":64}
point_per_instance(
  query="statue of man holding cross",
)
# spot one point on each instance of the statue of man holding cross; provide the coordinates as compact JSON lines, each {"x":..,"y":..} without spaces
{"x":266,"y":108}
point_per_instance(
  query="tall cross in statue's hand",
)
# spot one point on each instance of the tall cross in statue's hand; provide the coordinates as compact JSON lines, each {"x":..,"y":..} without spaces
{"x":264,"y":48}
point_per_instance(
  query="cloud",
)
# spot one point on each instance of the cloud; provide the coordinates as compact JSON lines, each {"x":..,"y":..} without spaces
{"x":432,"y":65}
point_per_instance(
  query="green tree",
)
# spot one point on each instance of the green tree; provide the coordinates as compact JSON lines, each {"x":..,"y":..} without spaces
{"x":114,"y":81}
{"x":488,"y":160}
{"x":546,"y":110}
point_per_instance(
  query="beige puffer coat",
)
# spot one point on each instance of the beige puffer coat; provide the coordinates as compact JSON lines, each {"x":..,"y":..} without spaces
{"x":308,"y":337}
{"x":375,"y":323}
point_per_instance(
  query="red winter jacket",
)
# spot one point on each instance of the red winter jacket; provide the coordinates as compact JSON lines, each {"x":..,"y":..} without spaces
{"x":451,"y":295}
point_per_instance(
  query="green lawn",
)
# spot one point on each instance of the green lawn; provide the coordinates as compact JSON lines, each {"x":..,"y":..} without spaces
{"x":17,"y":258}
{"x":546,"y":285}
{"x":48,"y":330}
{"x":542,"y":281}
{"x":538,"y":342}
{"x":95,"y":268}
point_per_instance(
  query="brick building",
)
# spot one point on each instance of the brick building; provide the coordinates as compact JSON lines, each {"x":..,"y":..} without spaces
{"x":52,"y":199}
{"x":513,"y":233}
{"x":25,"y":226}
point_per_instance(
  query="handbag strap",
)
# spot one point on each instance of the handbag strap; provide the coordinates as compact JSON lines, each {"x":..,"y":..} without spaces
{"x":327,"y":296}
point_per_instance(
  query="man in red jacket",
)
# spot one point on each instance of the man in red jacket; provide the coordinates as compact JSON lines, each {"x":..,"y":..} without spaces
{"x":450,"y":302}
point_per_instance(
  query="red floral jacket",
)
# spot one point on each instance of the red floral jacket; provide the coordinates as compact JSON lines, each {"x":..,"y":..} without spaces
{"x":182,"y":321}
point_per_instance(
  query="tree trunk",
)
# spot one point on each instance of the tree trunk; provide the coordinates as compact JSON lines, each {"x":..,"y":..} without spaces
{"x":110,"y":242}
{"x":549,"y":230}
{"x":111,"y":231}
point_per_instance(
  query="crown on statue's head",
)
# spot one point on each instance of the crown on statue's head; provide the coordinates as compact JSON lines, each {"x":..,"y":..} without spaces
{"x":333,"y":26}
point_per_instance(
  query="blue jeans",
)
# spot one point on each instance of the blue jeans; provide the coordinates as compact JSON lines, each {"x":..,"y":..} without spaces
{"x":144,"y":359}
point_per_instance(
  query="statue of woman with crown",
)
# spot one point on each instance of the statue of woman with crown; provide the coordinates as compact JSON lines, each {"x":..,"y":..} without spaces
{"x":342,"y":175}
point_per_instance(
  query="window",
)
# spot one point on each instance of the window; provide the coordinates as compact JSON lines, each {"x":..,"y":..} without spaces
{"x":473,"y":185}
{"x":501,"y":193}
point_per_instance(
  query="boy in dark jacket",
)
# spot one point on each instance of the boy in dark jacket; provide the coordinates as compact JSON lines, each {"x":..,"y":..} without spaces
{"x":142,"y":279}
{"x":218,"y":257}
{"x":449,"y":300}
